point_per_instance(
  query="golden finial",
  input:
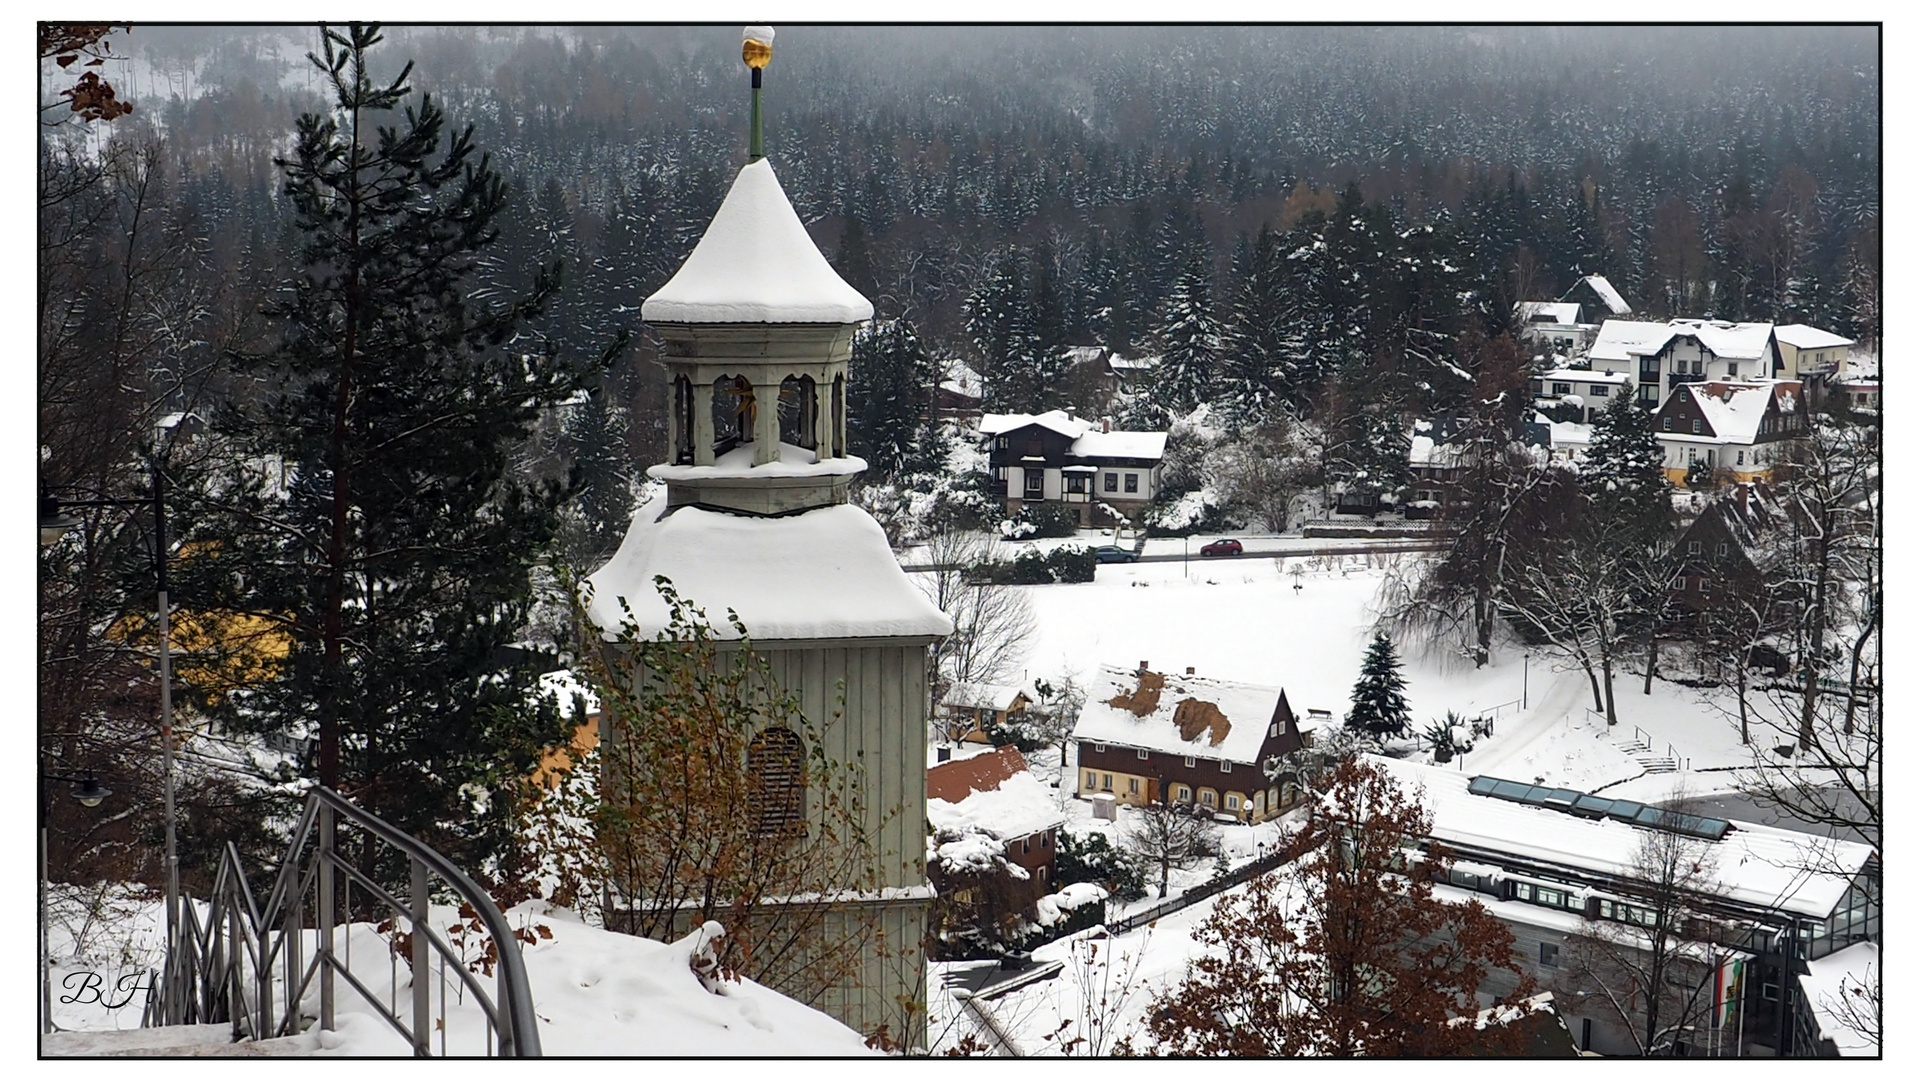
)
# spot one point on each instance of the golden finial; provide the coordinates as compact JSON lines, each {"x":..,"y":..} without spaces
{"x":756,"y":46}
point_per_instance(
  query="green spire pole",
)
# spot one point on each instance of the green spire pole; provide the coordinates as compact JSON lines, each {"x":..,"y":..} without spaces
{"x":756,"y":48}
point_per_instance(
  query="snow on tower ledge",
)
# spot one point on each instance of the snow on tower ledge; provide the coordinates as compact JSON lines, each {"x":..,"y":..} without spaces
{"x":756,"y":264}
{"x":827,"y":573}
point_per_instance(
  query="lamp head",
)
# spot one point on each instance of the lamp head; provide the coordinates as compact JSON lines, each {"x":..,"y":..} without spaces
{"x":756,"y":46}
{"x":90,"y":793}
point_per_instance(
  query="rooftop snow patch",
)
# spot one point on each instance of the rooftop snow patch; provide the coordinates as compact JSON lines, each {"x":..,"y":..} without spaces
{"x":1088,"y":440}
{"x":1753,"y":864}
{"x":1842,"y":988}
{"x":1177,"y":714}
{"x":756,"y":264}
{"x":1007,"y":808}
{"x":826,"y":573}
{"x":1608,"y":295}
{"x":1802,"y":336}
{"x":738,"y":462}
{"x":1547,"y":313}
{"x":1621,"y":340}
{"x":969,"y":695}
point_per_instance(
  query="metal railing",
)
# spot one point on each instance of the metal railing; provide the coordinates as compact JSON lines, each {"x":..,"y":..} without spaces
{"x":1210,"y":887}
{"x":241,"y":957}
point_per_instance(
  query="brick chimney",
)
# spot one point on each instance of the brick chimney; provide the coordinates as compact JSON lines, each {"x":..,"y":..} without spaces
{"x":1143,"y":666}
{"x":1106,"y":426}
{"x":1189,"y":671}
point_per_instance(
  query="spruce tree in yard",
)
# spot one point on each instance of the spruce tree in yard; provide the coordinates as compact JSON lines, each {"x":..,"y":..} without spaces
{"x":1190,"y":344}
{"x":1624,"y":472}
{"x":1379,"y":704}
{"x":367,"y":507}
{"x":891,"y":381}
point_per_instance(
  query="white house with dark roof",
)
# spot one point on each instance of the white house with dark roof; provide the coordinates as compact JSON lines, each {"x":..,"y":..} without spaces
{"x":1552,"y":863}
{"x":1589,"y":390}
{"x":1662,"y":356}
{"x":1099,"y":473}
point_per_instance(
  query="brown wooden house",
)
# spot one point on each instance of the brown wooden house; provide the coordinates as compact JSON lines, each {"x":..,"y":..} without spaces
{"x":1147,"y":737}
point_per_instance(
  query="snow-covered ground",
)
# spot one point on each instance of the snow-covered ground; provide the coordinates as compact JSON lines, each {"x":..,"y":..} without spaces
{"x":595,"y":993}
{"x":1243,"y":619}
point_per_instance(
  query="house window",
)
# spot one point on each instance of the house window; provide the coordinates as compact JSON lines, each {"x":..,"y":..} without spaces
{"x":1696,"y":367}
{"x":1077,"y":485}
{"x":1092,"y":782}
{"x":1226,"y":766}
{"x":1035,"y":481}
{"x":1549,"y":955}
{"x":1693,"y":547}
{"x":1106,"y":781}
{"x":1233,"y":802}
{"x":1026,"y":844}
{"x":1040,"y":874}
{"x":1649,"y":369}
{"x":1720,"y":548}
{"x":1666,"y":423}
{"x":1273,"y":729}
{"x":1133,"y":482}
{"x":1099,"y":748}
{"x":1002,"y":443}
{"x":1182,"y":793}
{"x":774,"y":758}
{"x":1110,"y":482}
{"x":1206,"y":798}
{"x":1563,"y":388}
{"x":1133,"y":785}
{"x":1188,"y":762}
{"x":1598,"y":390}
{"x":1733,"y":371}
{"x":1740,"y":457}
{"x":1141,"y":754}
{"x":1696,"y":427}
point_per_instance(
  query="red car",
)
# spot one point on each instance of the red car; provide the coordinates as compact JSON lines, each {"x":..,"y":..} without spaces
{"x":1220,"y":547}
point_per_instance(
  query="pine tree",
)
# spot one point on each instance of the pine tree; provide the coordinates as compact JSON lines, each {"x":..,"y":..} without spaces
{"x":1379,"y":704}
{"x":892,"y":381}
{"x":1624,"y":473}
{"x":1000,"y":328}
{"x":367,"y":508}
{"x":1190,"y":342}
{"x":1253,"y":357}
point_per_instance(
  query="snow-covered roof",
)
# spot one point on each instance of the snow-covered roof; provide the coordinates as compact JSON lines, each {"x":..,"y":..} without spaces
{"x":1752,"y":864}
{"x":971,"y":695}
{"x":1611,"y":378}
{"x":826,"y":573}
{"x":1120,"y":444}
{"x":1734,"y":409}
{"x":1088,"y":440}
{"x":1802,"y":336}
{"x":956,"y":376}
{"x":1227,"y":720}
{"x":1838,"y":986}
{"x":1569,"y":435}
{"x":756,"y":264}
{"x":1137,"y":363}
{"x":1621,"y":340}
{"x":738,"y":462}
{"x":1007,"y":807}
{"x":1556,"y":313}
{"x":1053,"y":420}
{"x":1607,"y":293}
{"x":1422,"y":450}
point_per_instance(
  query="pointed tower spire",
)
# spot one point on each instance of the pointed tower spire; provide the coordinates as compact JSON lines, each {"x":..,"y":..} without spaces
{"x":756,"y":48}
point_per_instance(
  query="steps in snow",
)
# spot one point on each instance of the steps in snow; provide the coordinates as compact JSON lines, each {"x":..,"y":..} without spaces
{"x":184,"y":1040}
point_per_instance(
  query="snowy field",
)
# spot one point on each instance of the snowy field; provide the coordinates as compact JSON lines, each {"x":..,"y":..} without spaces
{"x":1243,"y":619}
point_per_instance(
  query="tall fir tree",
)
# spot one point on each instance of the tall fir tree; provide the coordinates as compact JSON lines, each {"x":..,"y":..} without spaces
{"x":1190,"y":344}
{"x":368,"y":509}
{"x":892,"y":380}
{"x":1624,"y":474}
{"x":999,"y":324}
{"x":1252,"y":362}
{"x":1379,"y":698}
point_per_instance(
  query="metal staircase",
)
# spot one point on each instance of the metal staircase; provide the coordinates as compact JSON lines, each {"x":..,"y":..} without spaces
{"x":270,"y":970}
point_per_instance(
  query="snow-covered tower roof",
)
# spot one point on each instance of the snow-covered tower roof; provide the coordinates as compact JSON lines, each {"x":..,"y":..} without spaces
{"x":756,"y":264}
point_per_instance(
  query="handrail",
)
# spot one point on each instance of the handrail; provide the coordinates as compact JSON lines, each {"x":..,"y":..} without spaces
{"x":241,"y":942}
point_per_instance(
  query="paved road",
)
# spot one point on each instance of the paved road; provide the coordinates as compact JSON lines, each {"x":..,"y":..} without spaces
{"x":1257,"y":549}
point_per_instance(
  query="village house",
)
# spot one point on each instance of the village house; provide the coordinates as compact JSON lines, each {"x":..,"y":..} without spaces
{"x":1146,"y":737}
{"x":1713,"y":556}
{"x":968,"y":709}
{"x":992,"y":799}
{"x":958,"y":395}
{"x":1857,"y":383}
{"x":1588,"y":391}
{"x":1735,"y":432}
{"x":1548,"y":328}
{"x":1553,"y":863}
{"x":1663,"y":356}
{"x":1809,"y":353}
{"x":1597,"y":298}
{"x":1055,"y":457}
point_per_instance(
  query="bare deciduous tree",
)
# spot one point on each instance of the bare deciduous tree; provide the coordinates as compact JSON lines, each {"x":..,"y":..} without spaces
{"x":992,"y":623}
{"x":1169,"y":836}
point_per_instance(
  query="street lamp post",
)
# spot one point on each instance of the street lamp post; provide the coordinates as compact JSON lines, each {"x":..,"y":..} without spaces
{"x":54,"y":524}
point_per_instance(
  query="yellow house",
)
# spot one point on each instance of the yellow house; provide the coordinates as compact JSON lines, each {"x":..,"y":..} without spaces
{"x":1807,"y":350}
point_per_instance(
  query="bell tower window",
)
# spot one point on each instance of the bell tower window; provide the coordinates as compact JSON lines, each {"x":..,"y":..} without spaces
{"x":682,"y":420}
{"x":839,"y":416}
{"x":798,"y":412}
{"x":775,"y":760}
{"x":733,"y":412}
